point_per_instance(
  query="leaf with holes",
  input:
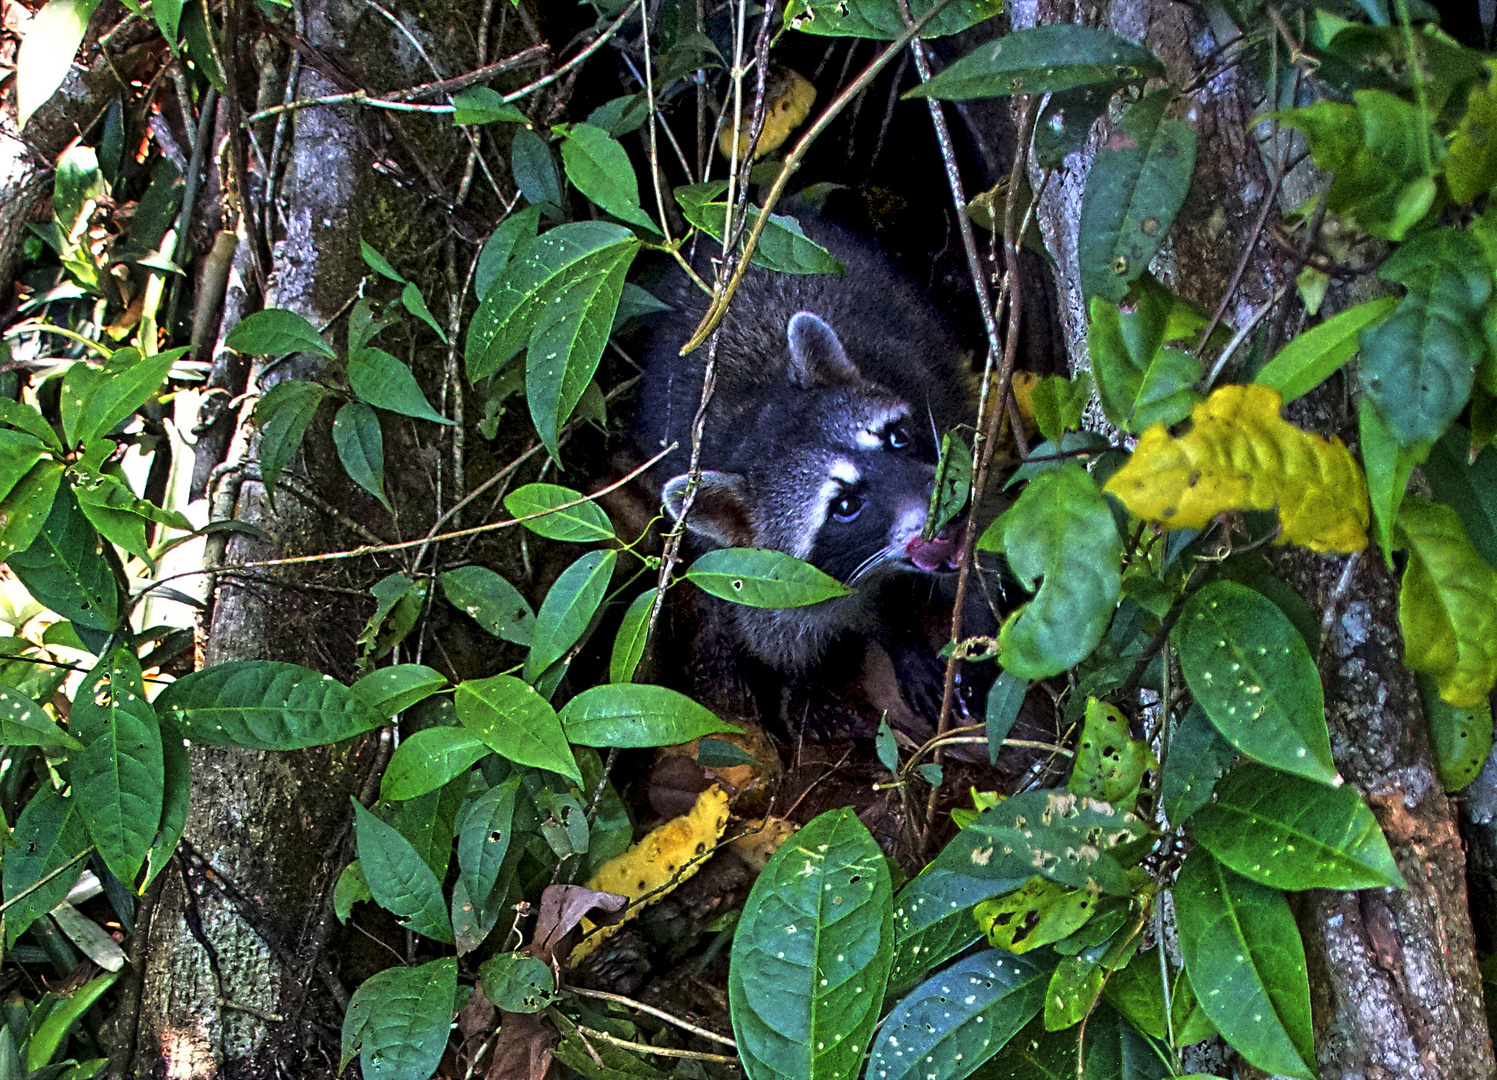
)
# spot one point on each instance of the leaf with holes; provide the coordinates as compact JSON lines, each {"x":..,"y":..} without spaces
{"x":64,"y":570}
{"x":1461,"y":738}
{"x":1060,"y":530}
{"x":811,"y":954}
{"x":22,"y":723}
{"x":49,"y":836}
{"x":1198,"y":755}
{"x":1243,"y":951}
{"x":497,"y":605}
{"x":264,"y":705}
{"x":1110,"y":763}
{"x":1445,"y":604}
{"x":392,"y":690}
{"x":484,"y":833}
{"x":758,"y":577}
{"x":1290,"y":833}
{"x":24,"y":512}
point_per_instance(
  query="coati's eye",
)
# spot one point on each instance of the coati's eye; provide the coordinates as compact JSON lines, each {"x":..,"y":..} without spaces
{"x":847,"y":506}
{"x":896,"y":438}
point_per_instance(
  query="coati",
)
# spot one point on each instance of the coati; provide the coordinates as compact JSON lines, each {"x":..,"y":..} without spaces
{"x":832,"y":392}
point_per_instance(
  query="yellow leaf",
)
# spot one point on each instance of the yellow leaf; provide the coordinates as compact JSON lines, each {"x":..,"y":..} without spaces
{"x":1471,"y":168}
{"x":1239,"y":454}
{"x":788,"y":100}
{"x":669,"y":855}
{"x":1446,"y":605}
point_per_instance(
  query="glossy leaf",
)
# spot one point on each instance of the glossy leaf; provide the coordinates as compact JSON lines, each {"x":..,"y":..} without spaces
{"x":392,"y":690}
{"x":1250,"y":670}
{"x":883,"y":19}
{"x":497,"y":605}
{"x":957,"y":1019}
{"x":1461,"y":738}
{"x":513,"y":232}
{"x":26,"y":419}
{"x":516,"y":723}
{"x":1291,"y":833}
{"x":64,"y":570}
{"x":264,"y":705}
{"x":811,"y":954}
{"x":758,"y":577}
{"x":1245,"y":956}
{"x":119,"y":780}
{"x":1059,"y":535}
{"x":629,"y":643}
{"x":637,"y":715}
{"x":599,"y":167}
{"x":118,"y":515}
{"x":49,"y":835}
{"x":398,"y":877}
{"x":23,"y":723}
{"x":1417,"y":364}
{"x":175,"y":800}
{"x":540,"y":505}
{"x":1198,"y":755}
{"x":361,"y":448}
{"x":19,"y":453}
{"x":1066,"y":122}
{"x":428,"y":759}
{"x":384,"y":382}
{"x":125,"y":383}
{"x":397,"y":1021}
{"x":275,"y":332}
{"x":568,"y":610}
{"x":1241,"y":455}
{"x":47,"y":51}
{"x":1445,"y":605}
{"x":1316,"y":354}
{"x":26,"y":509}
{"x":1136,"y":186}
{"x":1040,"y":60}
{"x":1127,"y":351}
{"x":282,"y":416}
{"x":782,"y":246}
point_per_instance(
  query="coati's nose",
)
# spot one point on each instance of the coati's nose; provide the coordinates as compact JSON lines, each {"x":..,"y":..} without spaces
{"x":944,"y":552}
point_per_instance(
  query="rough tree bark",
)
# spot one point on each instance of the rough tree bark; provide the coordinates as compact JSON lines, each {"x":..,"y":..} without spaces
{"x":1394,"y":976}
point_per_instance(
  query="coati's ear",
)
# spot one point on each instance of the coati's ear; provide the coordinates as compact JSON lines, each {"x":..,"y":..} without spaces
{"x":720,"y":510}
{"x":817,"y":357}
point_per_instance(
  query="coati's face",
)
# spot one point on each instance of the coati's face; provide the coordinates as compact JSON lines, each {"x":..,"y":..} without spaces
{"x":830,"y":468}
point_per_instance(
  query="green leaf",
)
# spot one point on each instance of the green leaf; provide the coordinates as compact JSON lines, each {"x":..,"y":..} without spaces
{"x":1388,"y":466}
{"x":484,"y":832}
{"x":392,"y":690}
{"x":1042,"y":60}
{"x":1445,"y":605}
{"x":1242,"y":948}
{"x":349,"y":890}
{"x":50,"y":1033}
{"x":629,"y":642}
{"x":24,"y":512}
{"x":264,"y":705}
{"x":1197,"y":757}
{"x":361,"y":448}
{"x":933,"y":921}
{"x":637,"y":715}
{"x":397,"y":1021}
{"x":1110,"y":763}
{"x":282,"y":416}
{"x":47,"y":51}
{"x":1005,"y":699}
{"x":1472,"y":167}
{"x":399,"y":879}
{"x":518,"y":982}
{"x":1250,"y":670}
{"x":176,"y":797}
{"x":428,"y":759}
{"x":1135,"y":188}
{"x":1417,"y":363}
{"x":1381,"y":151}
{"x":19,"y":453}
{"x":1468,"y":487}
{"x":514,"y":231}
{"x":1038,"y":913}
{"x":782,"y":246}
{"x":1066,"y":121}
{"x":584,"y":523}
{"x":516,"y":723}
{"x":556,"y":299}
{"x":384,"y":382}
{"x":275,"y":332}
{"x":168,"y":15}
{"x":120,"y":517}
{"x":568,"y":610}
{"x":811,"y":954}
{"x":953,"y":486}
{"x":534,"y":170}
{"x":49,"y":835}
{"x":64,"y":570}
{"x":120,"y":778}
{"x":484,"y":105}
{"x":599,"y":167}
{"x":883,"y":19}
{"x":1059,"y":402}
{"x":427,"y":821}
{"x":24,"y":418}
{"x":1061,"y":530}
{"x":23,"y":723}
{"x":759,"y":577}
{"x":399,"y":605}
{"x":960,"y":1017}
{"x":1316,"y":354}
{"x":412,"y":300}
{"x":1461,"y":738}
{"x":378,"y":263}
{"x":1290,"y":833}
{"x":493,"y":602}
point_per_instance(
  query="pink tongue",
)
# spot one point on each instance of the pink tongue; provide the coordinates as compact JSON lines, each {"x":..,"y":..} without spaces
{"x":942,"y":553}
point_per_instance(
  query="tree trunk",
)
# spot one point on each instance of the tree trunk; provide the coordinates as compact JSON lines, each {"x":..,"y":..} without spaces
{"x":1394,"y":976}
